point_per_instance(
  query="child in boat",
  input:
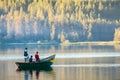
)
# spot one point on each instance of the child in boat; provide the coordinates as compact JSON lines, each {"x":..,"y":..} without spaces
{"x":31,"y":59}
{"x":37,"y":58}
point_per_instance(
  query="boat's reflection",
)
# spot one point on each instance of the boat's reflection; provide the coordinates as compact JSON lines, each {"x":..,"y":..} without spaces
{"x":28,"y":73}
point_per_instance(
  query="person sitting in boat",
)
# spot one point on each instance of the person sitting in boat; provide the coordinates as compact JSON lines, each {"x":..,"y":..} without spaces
{"x":31,"y":59}
{"x":37,"y":57}
{"x":26,"y":56}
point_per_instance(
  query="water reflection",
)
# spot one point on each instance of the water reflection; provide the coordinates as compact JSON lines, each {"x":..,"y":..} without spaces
{"x":29,"y":73}
{"x":19,"y":48}
{"x":37,"y":74}
{"x":66,"y":69}
{"x":26,"y":75}
{"x":80,"y":62}
{"x":88,"y":73}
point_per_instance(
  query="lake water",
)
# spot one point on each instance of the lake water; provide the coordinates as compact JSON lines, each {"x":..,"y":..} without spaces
{"x":73,"y":62}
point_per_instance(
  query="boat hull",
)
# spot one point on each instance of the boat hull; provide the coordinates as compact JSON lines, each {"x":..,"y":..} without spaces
{"x":46,"y":68}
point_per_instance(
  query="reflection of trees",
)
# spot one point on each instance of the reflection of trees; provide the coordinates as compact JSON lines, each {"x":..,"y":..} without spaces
{"x":117,"y":47}
{"x":88,"y":72}
{"x":3,"y":71}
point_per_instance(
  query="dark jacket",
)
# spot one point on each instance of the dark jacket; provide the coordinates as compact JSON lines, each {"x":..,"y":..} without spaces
{"x":30,"y":60}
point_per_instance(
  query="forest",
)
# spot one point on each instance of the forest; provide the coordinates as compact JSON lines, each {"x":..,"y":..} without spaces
{"x":59,"y":20}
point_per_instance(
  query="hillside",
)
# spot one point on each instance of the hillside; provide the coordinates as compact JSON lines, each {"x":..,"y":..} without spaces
{"x":59,"y":20}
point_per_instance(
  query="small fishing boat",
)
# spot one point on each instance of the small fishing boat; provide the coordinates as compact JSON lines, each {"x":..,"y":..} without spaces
{"x":43,"y":63}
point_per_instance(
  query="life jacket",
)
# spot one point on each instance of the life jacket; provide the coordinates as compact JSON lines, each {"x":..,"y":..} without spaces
{"x":25,"y":53}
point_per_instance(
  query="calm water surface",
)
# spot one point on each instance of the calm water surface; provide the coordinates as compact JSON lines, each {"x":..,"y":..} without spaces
{"x":73,"y":62}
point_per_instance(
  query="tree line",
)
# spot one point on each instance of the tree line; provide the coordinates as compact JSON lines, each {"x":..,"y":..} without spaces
{"x":59,"y":20}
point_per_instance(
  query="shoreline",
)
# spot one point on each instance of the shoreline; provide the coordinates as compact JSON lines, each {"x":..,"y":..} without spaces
{"x":69,"y":43}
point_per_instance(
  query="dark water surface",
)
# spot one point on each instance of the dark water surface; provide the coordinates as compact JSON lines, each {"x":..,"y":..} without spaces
{"x":73,"y":62}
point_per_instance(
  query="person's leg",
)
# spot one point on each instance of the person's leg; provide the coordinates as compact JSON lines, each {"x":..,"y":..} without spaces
{"x":25,"y":59}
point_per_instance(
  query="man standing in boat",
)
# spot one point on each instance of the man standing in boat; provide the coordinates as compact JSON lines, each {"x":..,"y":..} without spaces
{"x":26,"y":56}
{"x":37,"y":58}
